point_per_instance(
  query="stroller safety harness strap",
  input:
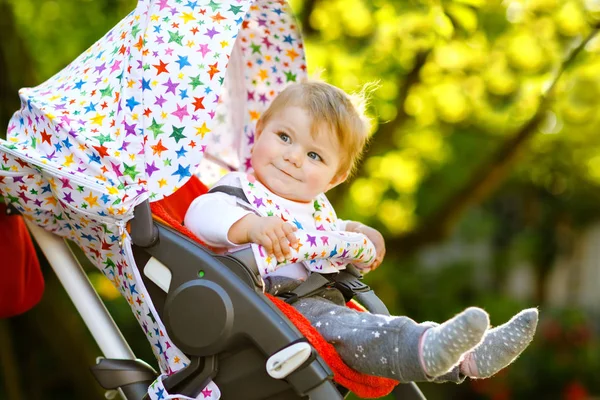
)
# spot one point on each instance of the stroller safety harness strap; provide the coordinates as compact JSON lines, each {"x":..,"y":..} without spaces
{"x":313,"y":285}
{"x":348,"y":281}
{"x":232,"y":191}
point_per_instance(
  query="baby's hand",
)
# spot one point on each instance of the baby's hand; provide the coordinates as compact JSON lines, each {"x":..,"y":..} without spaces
{"x":274,"y":235}
{"x":374,"y":236}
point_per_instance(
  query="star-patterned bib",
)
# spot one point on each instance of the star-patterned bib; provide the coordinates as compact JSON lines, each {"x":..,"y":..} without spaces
{"x":325,"y":249}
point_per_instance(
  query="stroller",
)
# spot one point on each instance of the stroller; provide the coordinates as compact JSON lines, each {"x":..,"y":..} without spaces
{"x":161,"y":105}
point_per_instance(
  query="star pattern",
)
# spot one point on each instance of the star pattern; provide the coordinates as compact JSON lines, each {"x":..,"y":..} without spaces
{"x":270,"y":63}
{"x":326,"y":250}
{"x":132,"y":118}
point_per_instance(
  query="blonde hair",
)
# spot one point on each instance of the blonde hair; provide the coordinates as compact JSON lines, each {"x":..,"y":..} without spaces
{"x":341,"y":112}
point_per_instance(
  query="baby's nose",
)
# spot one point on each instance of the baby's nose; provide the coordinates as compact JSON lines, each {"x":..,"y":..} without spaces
{"x":294,"y":156}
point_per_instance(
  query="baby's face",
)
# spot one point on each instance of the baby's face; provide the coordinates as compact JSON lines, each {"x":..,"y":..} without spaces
{"x":290,"y":162}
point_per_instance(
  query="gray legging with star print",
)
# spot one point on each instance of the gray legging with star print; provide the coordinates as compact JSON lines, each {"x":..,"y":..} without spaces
{"x":368,"y":343}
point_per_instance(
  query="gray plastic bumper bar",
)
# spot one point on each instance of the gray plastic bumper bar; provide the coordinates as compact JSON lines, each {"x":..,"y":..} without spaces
{"x":209,"y":311}
{"x":131,"y":376}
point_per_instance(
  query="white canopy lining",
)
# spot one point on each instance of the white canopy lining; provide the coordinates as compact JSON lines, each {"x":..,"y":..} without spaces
{"x":254,"y":77}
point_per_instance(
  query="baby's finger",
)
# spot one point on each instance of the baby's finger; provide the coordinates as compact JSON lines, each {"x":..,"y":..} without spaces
{"x":284,"y":243}
{"x":293,"y":227}
{"x":276,"y":247}
{"x":292,"y":239}
{"x":289,"y":233}
{"x":265,"y":241}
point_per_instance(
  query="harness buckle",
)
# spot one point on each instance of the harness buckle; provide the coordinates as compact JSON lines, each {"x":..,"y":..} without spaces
{"x":349,"y":285}
{"x":288,"y":297}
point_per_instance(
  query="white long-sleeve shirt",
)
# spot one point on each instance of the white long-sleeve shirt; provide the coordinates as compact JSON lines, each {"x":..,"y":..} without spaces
{"x":211,"y":215}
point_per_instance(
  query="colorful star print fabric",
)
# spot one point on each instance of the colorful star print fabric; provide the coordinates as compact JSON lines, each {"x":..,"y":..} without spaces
{"x":326,"y":250}
{"x":157,"y":391}
{"x":132,"y":117}
{"x":268,"y":55}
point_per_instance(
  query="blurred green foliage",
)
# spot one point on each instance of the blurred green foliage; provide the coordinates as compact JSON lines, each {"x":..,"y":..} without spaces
{"x":458,"y":78}
{"x":458,"y":82}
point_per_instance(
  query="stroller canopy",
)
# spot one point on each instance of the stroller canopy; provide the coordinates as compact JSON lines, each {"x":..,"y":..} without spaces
{"x":132,"y":117}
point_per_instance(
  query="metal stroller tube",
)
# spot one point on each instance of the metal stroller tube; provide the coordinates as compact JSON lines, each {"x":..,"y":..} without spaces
{"x":120,"y":370}
{"x":78,"y":287}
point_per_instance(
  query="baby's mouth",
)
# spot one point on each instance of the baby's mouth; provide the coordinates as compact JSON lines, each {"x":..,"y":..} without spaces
{"x":286,"y":173}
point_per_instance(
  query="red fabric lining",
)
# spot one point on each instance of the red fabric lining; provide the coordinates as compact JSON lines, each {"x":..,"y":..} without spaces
{"x":22,"y":283}
{"x":172,"y":211}
{"x":175,"y":206}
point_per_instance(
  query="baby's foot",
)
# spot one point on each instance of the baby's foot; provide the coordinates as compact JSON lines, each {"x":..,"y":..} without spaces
{"x":443,"y":345}
{"x":501,"y":345}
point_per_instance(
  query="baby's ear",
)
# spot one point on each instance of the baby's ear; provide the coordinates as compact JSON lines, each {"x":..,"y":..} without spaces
{"x":337,"y":179}
{"x":259,"y":128}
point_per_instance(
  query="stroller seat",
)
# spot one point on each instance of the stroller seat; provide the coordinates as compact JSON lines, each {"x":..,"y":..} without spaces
{"x":187,"y":323}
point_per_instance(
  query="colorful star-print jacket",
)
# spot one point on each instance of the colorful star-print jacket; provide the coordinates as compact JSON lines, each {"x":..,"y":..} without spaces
{"x":323,"y":246}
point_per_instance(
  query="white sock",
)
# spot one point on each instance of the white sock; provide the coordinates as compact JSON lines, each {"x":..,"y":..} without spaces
{"x":442,"y":347}
{"x":501,"y":346}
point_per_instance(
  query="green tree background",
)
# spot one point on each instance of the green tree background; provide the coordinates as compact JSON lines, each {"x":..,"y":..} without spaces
{"x":485,"y":137}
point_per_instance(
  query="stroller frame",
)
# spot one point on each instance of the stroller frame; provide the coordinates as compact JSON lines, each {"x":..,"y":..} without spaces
{"x":121,"y":371}
{"x":136,"y":375}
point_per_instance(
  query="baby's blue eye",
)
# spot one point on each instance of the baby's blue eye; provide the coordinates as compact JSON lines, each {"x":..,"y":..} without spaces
{"x":284,"y":137}
{"x":314,"y":156}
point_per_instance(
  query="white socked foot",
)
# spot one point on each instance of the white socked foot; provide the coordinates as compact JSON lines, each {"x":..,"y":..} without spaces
{"x":443,"y":346}
{"x":501,"y":345}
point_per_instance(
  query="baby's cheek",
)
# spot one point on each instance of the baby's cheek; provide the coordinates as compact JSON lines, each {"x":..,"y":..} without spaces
{"x":313,"y":184}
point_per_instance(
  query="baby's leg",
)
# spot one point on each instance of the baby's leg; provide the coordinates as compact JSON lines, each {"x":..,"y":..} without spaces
{"x":501,"y":345}
{"x":390,"y":346}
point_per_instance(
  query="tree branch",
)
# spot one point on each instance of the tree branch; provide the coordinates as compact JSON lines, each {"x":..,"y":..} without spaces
{"x":486,"y":178}
{"x":405,"y":83}
{"x":386,"y":131}
{"x":307,"y":8}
